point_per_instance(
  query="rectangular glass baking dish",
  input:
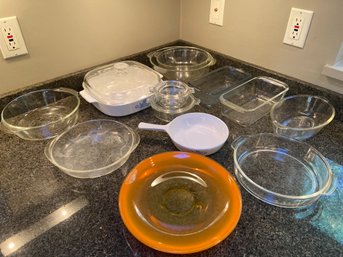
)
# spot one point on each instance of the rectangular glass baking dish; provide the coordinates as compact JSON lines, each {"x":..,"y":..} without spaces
{"x":252,"y":100}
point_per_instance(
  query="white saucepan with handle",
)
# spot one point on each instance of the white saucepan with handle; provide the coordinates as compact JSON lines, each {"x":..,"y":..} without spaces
{"x":194,"y":132}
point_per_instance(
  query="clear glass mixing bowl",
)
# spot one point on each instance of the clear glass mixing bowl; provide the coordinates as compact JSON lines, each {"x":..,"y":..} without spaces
{"x":301,"y":116}
{"x":41,"y":114}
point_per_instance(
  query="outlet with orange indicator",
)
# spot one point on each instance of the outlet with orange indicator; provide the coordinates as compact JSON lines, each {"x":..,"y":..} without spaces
{"x":11,"y":42}
{"x":298,"y":27}
{"x":10,"y":38}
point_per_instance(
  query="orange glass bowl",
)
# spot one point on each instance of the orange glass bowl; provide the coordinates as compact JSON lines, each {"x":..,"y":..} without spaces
{"x":180,"y":202}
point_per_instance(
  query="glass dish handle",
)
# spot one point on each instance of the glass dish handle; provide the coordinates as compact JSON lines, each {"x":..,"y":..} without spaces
{"x":237,"y":142}
{"x":332,"y":187}
{"x":69,"y":90}
{"x":5,"y":129}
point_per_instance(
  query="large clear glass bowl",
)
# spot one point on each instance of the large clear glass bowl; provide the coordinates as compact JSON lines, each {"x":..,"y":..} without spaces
{"x":41,"y":114}
{"x":193,"y":57}
{"x":182,"y":63}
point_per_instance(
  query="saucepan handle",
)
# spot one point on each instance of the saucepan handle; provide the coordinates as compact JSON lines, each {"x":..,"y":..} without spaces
{"x":149,"y":126}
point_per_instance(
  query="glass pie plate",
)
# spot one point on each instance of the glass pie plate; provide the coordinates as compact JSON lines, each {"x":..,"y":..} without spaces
{"x":179,"y":202}
{"x":92,"y":148}
{"x":281,"y":171}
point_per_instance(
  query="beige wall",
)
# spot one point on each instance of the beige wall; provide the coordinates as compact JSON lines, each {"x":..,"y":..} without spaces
{"x":253,"y":31}
{"x":65,"y":36}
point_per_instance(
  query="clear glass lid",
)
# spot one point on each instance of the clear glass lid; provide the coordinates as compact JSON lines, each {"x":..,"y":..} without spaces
{"x":121,"y":82}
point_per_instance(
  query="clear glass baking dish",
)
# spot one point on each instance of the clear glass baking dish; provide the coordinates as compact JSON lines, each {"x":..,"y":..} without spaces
{"x":92,"y":148}
{"x":247,"y":103}
{"x":209,"y":87}
{"x":281,"y":171}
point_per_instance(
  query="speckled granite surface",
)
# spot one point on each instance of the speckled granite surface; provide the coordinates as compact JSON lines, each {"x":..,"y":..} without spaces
{"x":44,"y":212}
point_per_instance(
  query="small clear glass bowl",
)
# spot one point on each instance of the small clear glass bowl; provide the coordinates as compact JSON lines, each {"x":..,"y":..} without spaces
{"x":172,"y":93}
{"x":172,"y":98}
{"x":301,"y":116}
{"x":41,"y":114}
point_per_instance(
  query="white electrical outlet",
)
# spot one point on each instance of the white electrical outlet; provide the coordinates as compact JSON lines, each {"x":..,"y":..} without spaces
{"x":11,"y":42}
{"x":217,"y":12}
{"x":297,"y":28}
{"x":10,"y":38}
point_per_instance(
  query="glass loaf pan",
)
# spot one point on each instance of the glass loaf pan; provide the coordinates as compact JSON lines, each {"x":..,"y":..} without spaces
{"x":252,"y":100}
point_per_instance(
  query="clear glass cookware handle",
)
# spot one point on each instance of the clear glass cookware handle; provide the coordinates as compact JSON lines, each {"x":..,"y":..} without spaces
{"x":65,"y":89}
{"x":47,"y":150}
{"x":332,"y":187}
{"x":153,"y":54}
{"x":5,"y":129}
{"x":137,"y":139}
{"x":237,"y":142}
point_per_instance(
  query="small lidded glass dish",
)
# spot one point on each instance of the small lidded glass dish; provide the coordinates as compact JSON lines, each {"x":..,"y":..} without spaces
{"x":172,"y":98}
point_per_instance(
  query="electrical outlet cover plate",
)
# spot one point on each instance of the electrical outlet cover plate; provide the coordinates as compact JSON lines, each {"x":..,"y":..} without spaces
{"x":298,"y":26}
{"x":217,"y":12}
{"x":11,"y":40}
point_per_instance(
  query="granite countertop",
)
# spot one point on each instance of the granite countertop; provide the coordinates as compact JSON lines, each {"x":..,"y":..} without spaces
{"x":44,"y":212}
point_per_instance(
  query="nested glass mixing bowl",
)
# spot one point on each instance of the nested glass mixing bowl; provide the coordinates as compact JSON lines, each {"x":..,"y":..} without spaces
{"x":192,"y":57}
{"x":183,"y":63}
{"x":281,"y":171}
{"x":301,"y":116}
{"x":41,"y":114}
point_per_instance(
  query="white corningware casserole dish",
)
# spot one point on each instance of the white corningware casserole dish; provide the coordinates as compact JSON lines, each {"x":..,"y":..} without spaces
{"x":121,"y":88}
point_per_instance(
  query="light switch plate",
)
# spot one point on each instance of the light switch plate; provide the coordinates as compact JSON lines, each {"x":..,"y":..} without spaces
{"x":298,"y":26}
{"x":217,"y":12}
{"x":11,"y":40}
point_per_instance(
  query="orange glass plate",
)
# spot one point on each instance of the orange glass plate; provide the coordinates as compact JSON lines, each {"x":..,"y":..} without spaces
{"x":179,"y":202}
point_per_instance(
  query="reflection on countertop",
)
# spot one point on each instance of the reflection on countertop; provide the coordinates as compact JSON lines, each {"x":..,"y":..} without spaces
{"x":13,"y":243}
{"x":326,"y":214}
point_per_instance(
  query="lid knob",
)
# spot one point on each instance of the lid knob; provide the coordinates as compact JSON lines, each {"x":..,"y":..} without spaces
{"x":120,"y":66}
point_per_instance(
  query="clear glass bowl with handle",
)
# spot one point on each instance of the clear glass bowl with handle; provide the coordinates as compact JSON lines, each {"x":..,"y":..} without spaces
{"x":92,"y":148}
{"x":301,"y":116}
{"x":281,"y":171}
